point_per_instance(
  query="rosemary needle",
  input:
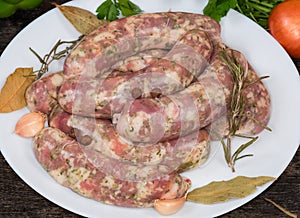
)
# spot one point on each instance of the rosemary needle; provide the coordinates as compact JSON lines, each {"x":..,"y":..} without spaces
{"x":237,"y":111}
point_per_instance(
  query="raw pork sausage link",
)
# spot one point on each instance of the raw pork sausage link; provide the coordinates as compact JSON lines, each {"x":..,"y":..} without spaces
{"x":153,"y":120}
{"x":204,"y":101}
{"x":257,"y":107}
{"x":65,"y":161}
{"x":101,"y":98}
{"x":140,"y":60}
{"x":100,"y":136}
{"x":42,"y":94}
{"x":124,"y":37}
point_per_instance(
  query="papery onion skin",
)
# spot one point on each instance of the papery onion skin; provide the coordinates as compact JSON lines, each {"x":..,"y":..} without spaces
{"x":284,"y":25}
{"x":30,"y":124}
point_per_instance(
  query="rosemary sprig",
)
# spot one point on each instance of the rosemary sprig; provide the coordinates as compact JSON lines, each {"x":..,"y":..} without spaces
{"x":237,"y":111}
{"x":54,"y":54}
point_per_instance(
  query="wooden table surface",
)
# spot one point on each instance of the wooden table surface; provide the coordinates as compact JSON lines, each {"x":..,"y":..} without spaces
{"x":17,"y":199}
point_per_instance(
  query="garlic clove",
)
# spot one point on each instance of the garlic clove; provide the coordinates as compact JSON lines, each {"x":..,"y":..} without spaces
{"x":30,"y":124}
{"x":169,"y":206}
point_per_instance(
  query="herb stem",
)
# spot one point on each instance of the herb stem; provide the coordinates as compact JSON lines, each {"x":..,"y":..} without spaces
{"x":237,"y":108}
{"x":54,"y":54}
{"x":260,"y":8}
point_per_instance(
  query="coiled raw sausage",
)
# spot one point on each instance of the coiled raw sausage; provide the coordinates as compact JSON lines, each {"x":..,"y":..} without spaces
{"x":204,"y":101}
{"x":125,"y":37}
{"x":100,"y":136}
{"x":101,"y":98}
{"x":65,"y":161}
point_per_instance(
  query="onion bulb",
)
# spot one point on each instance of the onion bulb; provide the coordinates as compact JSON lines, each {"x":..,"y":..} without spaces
{"x":284,"y":25}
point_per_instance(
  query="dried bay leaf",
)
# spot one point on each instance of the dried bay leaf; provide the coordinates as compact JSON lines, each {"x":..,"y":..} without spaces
{"x":239,"y":187}
{"x":12,"y":95}
{"x":83,"y":20}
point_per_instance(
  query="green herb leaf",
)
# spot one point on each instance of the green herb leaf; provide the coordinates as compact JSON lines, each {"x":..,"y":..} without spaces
{"x":128,"y":8}
{"x":239,"y":187}
{"x":217,"y":9}
{"x":257,"y":10}
{"x":110,"y":10}
{"x":113,"y":13}
{"x":103,"y":9}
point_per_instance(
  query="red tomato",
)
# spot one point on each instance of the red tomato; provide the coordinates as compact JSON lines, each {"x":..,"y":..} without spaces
{"x":284,"y":25}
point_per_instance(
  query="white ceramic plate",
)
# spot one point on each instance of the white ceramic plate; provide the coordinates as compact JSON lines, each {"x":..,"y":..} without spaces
{"x":272,"y":152}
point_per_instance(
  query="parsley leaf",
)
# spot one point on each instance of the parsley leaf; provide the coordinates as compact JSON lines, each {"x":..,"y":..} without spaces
{"x":128,"y":8}
{"x":112,"y":13}
{"x":257,"y":10}
{"x":111,"y":9}
{"x":217,"y":9}
{"x":103,"y":9}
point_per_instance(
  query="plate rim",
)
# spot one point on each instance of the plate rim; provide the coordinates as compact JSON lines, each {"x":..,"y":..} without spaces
{"x":36,"y":188}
